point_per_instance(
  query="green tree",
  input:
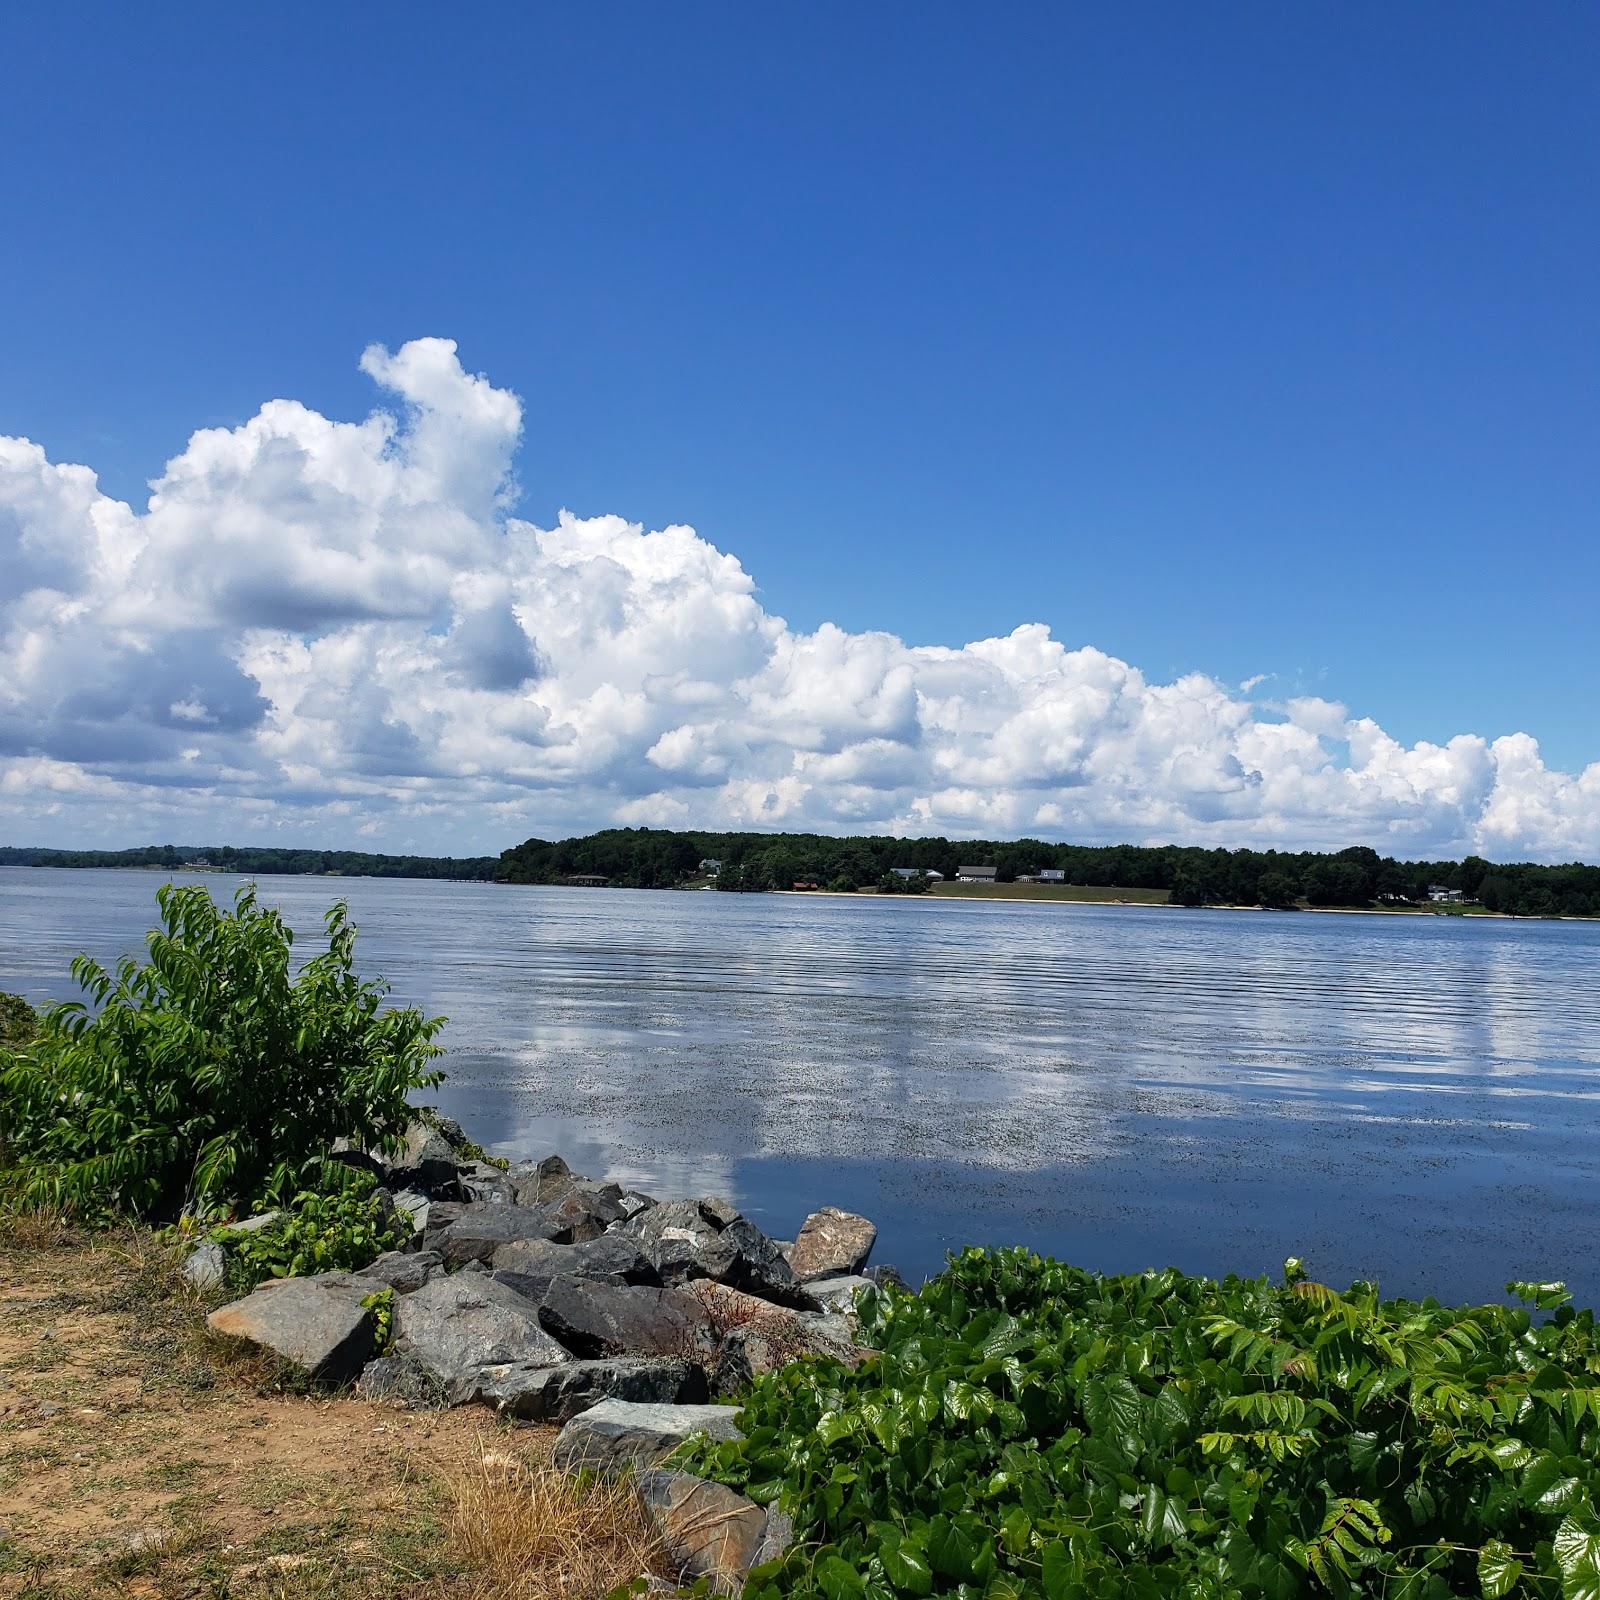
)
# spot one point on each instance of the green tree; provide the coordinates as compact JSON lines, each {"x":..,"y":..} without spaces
{"x":19,"y":1023}
{"x":209,"y":1073}
{"x":1274,"y":889}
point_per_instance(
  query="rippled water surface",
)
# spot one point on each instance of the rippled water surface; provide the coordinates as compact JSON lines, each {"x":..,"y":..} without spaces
{"x":1411,"y":1099}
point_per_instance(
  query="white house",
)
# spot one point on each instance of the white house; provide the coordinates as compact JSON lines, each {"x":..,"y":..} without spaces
{"x":918,"y":872}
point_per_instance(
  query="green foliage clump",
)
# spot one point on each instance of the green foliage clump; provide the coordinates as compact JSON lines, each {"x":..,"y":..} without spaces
{"x":19,"y":1023}
{"x":337,"y":1230}
{"x":1035,"y":1430}
{"x":211,"y":1071}
{"x":381,"y":1305}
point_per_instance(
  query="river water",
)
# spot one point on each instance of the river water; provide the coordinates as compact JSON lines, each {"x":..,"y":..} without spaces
{"x":1407,"y":1099}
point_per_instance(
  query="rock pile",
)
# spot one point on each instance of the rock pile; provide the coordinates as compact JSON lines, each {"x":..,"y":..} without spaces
{"x":555,"y":1298}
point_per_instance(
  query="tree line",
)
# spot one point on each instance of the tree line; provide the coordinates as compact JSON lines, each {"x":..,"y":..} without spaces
{"x":261,"y":861}
{"x":658,"y":858}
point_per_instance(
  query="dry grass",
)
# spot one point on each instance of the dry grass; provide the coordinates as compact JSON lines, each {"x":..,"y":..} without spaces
{"x":141,"y":1455}
{"x":529,"y":1532}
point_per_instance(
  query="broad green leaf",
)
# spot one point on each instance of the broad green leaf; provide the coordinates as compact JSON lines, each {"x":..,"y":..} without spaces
{"x":1498,"y":1570}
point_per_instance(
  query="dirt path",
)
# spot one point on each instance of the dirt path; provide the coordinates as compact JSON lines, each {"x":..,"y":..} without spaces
{"x":141,"y":1456}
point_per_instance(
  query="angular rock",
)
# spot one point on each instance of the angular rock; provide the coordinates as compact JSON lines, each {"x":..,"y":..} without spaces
{"x":708,"y":1531}
{"x":832,"y":1243}
{"x":544,"y":1181}
{"x":884,"y":1277}
{"x":690,"y":1239}
{"x":838,"y":1294}
{"x":427,"y":1159}
{"x":449,"y":1130}
{"x":612,"y":1258}
{"x":602,"y":1319}
{"x":251,"y":1224}
{"x":439,"y":1216}
{"x":585,"y":1214}
{"x":413,"y":1205}
{"x":555,"y":1394}
{"x":404,"y":1271}
{"x":480,"y":1182}
{"x":347,"y":1155}
{"x":755,"y":1336}
{"x":206,"y":1267}
{"x":776,"y":1537}
{"x":477,"y":1231}
{"x":400,"y":1381}
{"x":319,"y":1326}
{"x":620,"y":1434}
{"x":633,"y":1202}
{"x":720,"y":1210}
{"x":456,"y":1326}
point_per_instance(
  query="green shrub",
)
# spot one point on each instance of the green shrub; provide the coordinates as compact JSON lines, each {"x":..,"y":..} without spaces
{"x":1034,"y":1430}
{"x":341,"y":1230}
{"x":210,"y":1071}
{"x":19,"y":1023}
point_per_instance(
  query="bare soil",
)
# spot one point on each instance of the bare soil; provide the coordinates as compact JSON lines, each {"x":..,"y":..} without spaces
{"x":142,"y":1455}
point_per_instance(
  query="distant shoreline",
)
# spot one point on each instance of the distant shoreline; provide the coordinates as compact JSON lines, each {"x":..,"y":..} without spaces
{"x":1165,"y":905}
{"x":830,"y":894}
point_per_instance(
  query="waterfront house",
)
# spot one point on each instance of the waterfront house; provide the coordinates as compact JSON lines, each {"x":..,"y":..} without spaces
{"x":1053,"y":875}
{"x":976,"y":874}
{"x":710,"y":867}
{"x":803,"y":883}
{"x":589,"y":880}
{"x":918,"y":872}
{"x":1440,"y":895}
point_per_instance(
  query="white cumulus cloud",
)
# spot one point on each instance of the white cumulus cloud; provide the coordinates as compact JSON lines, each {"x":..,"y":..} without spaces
{"x":337,"y":632}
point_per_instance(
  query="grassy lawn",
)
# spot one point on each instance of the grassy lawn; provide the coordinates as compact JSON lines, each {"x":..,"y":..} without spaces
{"x":1074,"y":893}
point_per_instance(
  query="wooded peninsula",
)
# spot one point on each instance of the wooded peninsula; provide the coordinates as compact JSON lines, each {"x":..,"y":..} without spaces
{"x":661,"y":858}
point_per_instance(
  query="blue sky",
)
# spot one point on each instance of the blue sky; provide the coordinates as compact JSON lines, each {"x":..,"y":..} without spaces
{"x":1245,"y":341}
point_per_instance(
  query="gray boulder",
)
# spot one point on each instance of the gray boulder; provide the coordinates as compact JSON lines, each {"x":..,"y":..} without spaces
{"x":708,"y":1531}
{"x":317,"y":1324}
{"x":481,"y":1182}
{"x":206,"y":1267}
{"x":586,"y":1213}
{"x":622,"y":1434}
{"x":404,"y":1271}
{"x":555,"y":1394}
{"x":458,"y":1325}
{"x":832,"y":1243}
{"x":612,"y":1258}
{"x":776,"y":1537}
{"x":755,"y":1336}
{"x":253,"y":1224}
{"x":476,"y":1231}
{"x":439,"y":1216}
{"x":884,"y":1277}
{"x":413,"y":1205}
{"x":602,"y":1319}
{"x":838,"y":1294}
{"x":542,"y":1181}
{"x":400,"y":1381}
{"x":691,"y":1239}
{"x":427,"y":1158}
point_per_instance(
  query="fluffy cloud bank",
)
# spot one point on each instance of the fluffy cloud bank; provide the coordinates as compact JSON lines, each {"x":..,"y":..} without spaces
{"x":335,"y":632}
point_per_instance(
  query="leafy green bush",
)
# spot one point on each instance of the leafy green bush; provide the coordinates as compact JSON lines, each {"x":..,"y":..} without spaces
{"x":1035,"y":1430}
{"x":337,"y":1231}
{"x":210,"y":1071}
{"x":19,"y":1023}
